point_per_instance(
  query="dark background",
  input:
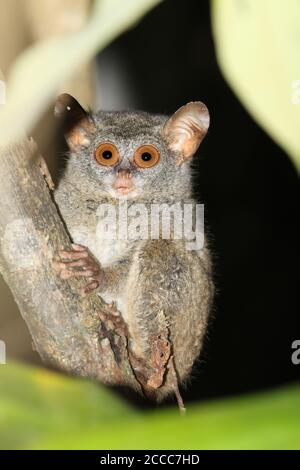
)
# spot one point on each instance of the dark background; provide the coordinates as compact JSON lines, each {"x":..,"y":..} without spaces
{"x":250,"y":191}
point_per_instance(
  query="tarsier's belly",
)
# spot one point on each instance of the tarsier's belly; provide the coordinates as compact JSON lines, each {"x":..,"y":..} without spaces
{"x":107,"y":250}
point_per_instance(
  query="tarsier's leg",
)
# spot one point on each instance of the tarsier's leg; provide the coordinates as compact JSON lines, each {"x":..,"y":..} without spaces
{"x":166,"y":309}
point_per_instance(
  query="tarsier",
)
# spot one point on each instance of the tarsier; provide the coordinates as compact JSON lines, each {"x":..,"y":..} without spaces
{"x":162,"y":290}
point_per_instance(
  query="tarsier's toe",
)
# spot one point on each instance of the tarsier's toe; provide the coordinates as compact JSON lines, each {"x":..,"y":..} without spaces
{"x":73,"y":255}
{"x":90,"y":288}
{"x":114,"y":321}
{"x":77,"y":247}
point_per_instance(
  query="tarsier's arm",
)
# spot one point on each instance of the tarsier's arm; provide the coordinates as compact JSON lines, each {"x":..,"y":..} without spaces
{"x":80,"y":262}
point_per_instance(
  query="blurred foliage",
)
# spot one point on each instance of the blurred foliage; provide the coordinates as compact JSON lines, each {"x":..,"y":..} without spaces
{"x":39,"y":70}
{"x":258,"y":45}
{"x":40,"y":409}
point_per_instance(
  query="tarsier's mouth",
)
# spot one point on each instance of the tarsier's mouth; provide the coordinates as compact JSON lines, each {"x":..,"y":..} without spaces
{"x":123,"y":189}
{"x":123,"y":184}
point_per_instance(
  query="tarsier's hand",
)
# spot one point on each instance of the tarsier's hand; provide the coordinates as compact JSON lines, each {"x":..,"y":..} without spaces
{"x":79,"y":262}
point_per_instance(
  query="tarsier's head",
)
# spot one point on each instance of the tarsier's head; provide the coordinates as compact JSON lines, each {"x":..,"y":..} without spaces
{"x":134,"y":154}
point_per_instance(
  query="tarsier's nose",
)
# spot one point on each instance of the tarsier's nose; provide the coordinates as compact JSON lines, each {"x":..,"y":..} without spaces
{"x":123,"y":183}
{"x":124,"y":173}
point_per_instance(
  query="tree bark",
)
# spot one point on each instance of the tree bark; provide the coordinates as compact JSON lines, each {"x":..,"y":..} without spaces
{"x":66,"y":328}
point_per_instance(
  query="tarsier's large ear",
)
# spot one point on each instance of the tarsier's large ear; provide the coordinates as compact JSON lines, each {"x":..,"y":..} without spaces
{"x":186,"y":129}
{"x":78,"y":126}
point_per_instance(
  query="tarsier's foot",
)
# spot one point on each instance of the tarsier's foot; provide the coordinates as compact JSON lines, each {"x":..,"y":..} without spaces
{"x":160,"y":354}
{"x":79,"y":262}
{"x":113,"y":320}
{"x":151,"y":372}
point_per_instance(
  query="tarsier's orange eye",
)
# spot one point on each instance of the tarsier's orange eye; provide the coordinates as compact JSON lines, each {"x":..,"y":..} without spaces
{"x":146,"y":156}
{"x":107,"y":154}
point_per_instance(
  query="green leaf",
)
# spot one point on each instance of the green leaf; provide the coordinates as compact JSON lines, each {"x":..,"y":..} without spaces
{"x":42,"y":68}
{"x":40,"y":409}
{"x":36,"y":403}
{"x":258,"y":44}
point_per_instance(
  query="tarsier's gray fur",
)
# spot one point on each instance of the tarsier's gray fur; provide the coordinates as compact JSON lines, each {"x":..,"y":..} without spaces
{"x":157,"y":284}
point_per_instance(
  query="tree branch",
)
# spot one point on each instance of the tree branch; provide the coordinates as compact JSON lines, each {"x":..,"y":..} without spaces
{"x":65,"y":327}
